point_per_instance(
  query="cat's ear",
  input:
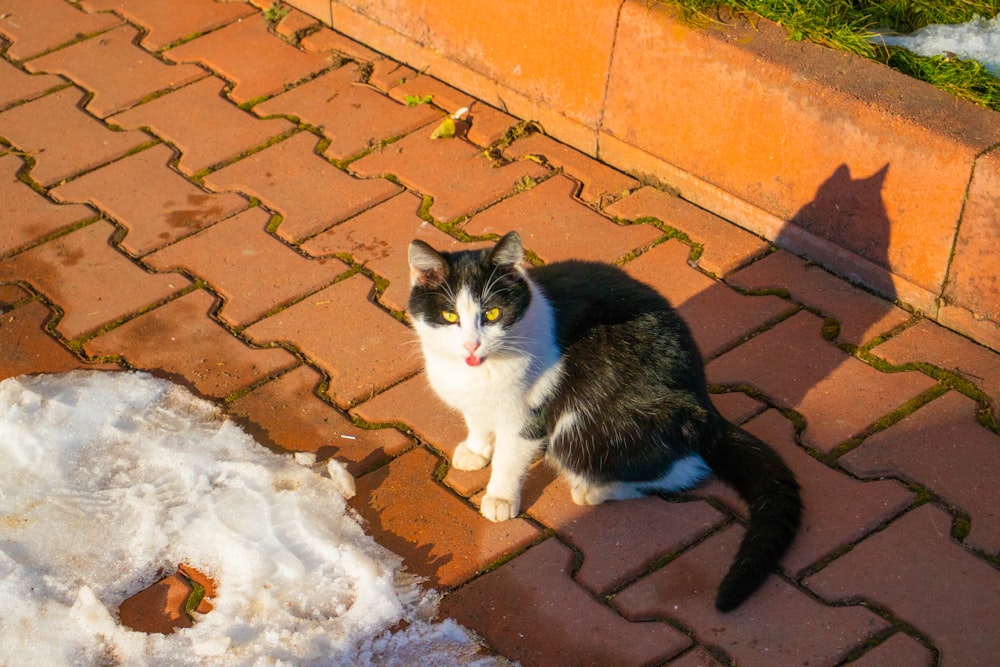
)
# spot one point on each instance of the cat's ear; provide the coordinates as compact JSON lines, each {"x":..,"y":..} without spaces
{"x":508,"y":251}
{"x":428,"y":267}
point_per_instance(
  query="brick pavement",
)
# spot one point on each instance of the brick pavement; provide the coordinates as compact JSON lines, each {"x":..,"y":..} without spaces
{"x":227,"y":202}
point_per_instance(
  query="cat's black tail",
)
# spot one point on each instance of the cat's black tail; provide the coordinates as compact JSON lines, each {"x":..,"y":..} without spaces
{"x":769,"y":488}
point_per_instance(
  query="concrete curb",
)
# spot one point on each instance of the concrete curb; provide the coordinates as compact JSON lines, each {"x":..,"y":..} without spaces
{"x":882,"y":179}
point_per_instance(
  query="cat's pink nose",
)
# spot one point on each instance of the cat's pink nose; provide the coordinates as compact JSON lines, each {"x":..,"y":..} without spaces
{"x":471,"y":347}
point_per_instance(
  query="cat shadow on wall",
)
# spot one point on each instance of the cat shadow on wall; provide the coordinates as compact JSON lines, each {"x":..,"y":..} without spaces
{"x":849,"y":213}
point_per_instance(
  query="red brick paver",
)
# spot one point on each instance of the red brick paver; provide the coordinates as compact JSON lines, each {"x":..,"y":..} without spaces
{"x":228,"y":202}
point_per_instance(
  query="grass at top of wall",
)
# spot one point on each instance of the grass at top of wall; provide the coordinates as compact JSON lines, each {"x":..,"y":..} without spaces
{"x":848,"y":25}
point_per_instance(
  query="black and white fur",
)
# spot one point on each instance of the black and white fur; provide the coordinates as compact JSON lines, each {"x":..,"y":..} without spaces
{"x":594,"y":368}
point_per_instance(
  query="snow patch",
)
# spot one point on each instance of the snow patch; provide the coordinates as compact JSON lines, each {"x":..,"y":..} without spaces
{"x":111,"y":479}
{"x":978,"y":39}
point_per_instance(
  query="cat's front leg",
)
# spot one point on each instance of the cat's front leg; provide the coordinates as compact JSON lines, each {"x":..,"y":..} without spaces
{"x":511,"y":459}
{"x":476,"y":451}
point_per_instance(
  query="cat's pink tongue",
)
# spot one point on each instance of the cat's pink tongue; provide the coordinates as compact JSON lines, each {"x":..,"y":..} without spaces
{"x":473,"y":360}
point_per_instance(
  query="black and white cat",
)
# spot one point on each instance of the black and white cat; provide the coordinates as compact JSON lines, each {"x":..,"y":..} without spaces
{"x":594,"y":368}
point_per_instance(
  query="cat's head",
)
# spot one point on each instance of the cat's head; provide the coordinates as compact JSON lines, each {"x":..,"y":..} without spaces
{"x":464,"y":304}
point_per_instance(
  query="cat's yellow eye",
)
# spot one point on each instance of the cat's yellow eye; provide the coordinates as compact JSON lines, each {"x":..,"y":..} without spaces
{"x":449,"y":316}
{"x":492,"y":314}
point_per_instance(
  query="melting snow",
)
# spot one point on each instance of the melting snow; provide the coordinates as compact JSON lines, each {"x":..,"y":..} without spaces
{"x":978,"y":39}
{"x":110,"y":479}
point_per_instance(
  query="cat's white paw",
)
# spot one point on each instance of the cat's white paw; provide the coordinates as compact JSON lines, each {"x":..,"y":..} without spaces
{"x":588,"y":494}
{"x":466,"y":459}
{"x":496,"y":508}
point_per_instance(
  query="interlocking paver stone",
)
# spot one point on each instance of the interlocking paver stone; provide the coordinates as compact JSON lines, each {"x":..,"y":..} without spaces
{"x":838,"y":510}
{"x":942,"y":447}
{"x":77,"y":271}
{"x":438,"y":535}
{"x":181,"y":340}
{"x":899,"y":649}
{"x":190,"y":118}
{"x":69,"y":141}
{"x":428,"y":166}
{"x":778,"y":625}
{"x":838,"y":395}
{"x":25,"y":346}
{"x":326,"y":40}
{"x":309,"y":192}
{"x":363,"y":348}
{"x":29,"y":216}
{"x":36,"y":26}
{"x":532,"y":611}
{"x":931,"y":343}
{"x":379,"y":239}
{"x":250,"y":269}
{"x":861,"y":315}
{"x":115,"y":70}
{"x":916,"y":571}
{"x":718,"y":315}
{"x":619,"y":541}
{"x":601,"y":184}
{"x":166,"y":23}
{"x":727,"y":247}
{"x":17,"y":86}
{"x":168,"y":206}
{"x":265,"y":69}
{"x":352,"y":115}
{"x":555,"y":225}
{"x":288,"y":413}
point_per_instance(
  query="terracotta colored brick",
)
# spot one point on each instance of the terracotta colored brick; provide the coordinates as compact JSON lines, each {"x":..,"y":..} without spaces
{"x":309,"y":193}
{"x":326,"y":40}
{"x":70,"y":141}
{"x":169,"y":207}
{"x":289,"y":413}
{"x":379,"y":239}
{"x":158,"y":608}
{"x":387,"y":74}
{"x":442,"y":95}
{"x":532,"y":611}
{"x":115,"y":70}
{"x":619,"y":541}
{"x":428,"y":166}
{"x":726,"y":246}
{"x":415,"y":404}
{"x":438,"y":535}
{"x":837,"y":394}
{"x":257,"y":62}
{"x":318,"y":8}
{"x":250,"y":269}
{"x":29,"y":217}
{"x":930,"y":343}
{"x":601,"y":184}
{"x":777,"y":625}
{"x":180,"y":340}
{"x":361,"y":347}
{"x":861,"y":315}
{"x":943,"y":448}
{"x":294,"y":22}
{"x":26,"y":347}
{"x":899,"y":649}
{"x":736,"y":406}
{"x":894,"y":208}
{"x":166,"y":23}
{"x":972,"y":294}
{"x":352,"y":115}
{"x":75,"y":271}
{"x":698,"y":657}
{"x":36,"y":26}
{"x":555,"y":225}
{"x":17,"y":86}
{"x":190,"y":119}
{"x":838,"y":509}
{"x":718,"y":315}
{"x":921,"y":576}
